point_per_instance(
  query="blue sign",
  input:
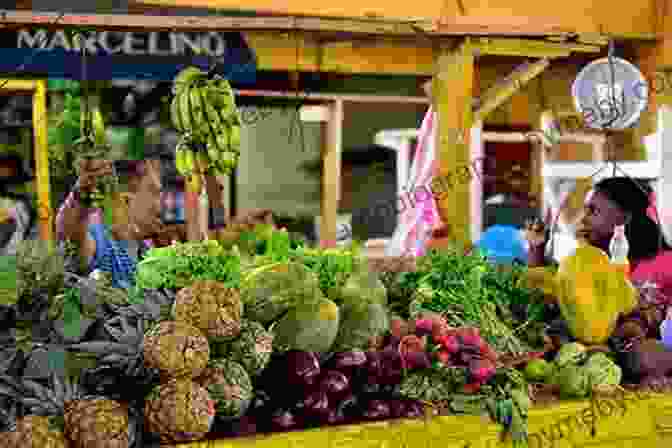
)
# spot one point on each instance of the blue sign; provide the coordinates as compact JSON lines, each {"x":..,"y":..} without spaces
{"x":155,"y":56}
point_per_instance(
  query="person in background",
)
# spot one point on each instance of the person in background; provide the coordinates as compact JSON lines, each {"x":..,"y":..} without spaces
{"x":17,"y":212}
{"x":137,"y":222}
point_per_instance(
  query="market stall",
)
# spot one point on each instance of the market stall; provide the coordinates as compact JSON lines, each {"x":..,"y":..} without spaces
{"x":450,"y":343}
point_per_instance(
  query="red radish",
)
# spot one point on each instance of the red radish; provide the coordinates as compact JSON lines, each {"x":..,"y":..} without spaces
{"x":481,"y":370}
{"x":470,"y":336}
{"x":471,"y":388}
{"x":450,"y":344}
{"x":424,"y":325}
{"x":443,"y":357}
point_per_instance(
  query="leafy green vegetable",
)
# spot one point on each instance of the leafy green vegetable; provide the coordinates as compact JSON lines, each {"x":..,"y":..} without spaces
{"x":332,"y":266}
{"x":177,"y":266}
{"x":470,"y":291}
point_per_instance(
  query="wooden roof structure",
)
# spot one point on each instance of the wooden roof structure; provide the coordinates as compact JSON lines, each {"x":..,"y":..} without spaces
{"x":438,"y":38}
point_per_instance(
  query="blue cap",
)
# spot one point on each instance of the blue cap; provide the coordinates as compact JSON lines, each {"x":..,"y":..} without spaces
{"x":503,"y":244}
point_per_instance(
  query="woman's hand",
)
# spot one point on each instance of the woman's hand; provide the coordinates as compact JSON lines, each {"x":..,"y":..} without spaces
{"x":535,"y":233}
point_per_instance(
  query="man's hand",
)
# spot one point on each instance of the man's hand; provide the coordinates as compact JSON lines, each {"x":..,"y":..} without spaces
{"x":91,"y":170}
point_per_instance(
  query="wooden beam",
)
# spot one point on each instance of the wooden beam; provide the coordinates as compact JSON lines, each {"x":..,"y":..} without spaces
{"x":305,"y":52}
{"x":453,"y":90}
{"x":308,"y":96}
{"x":455,"y":26}
{"x":530,"y":48}
{"x":331,"y":162}
{"x":504,"y":90}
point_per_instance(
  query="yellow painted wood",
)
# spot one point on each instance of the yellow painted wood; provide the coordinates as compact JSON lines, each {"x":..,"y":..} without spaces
{"x":303,"y":52}
{"x":40,"y":125}
{"x":39,"y":90}
{"x":530,"y":48}
{"x":331,"y":162}
{"x":649,"y":423}
{"x":500,"y":93}
{"x":194,"y":186}
{"x":18,"y":84}
{"x":453,"y":91}
{"x":524,"y":17}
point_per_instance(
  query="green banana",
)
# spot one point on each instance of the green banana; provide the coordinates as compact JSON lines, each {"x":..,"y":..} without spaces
{"x":223,"y":141}
{"x":98,"y":126}
{"x":186,"y":77}
{"x":175,"y":116}
{"x":211,"y":125}
{"x":211,"y":114}
{"x":199,"y":124}
{"x":185,"y":111}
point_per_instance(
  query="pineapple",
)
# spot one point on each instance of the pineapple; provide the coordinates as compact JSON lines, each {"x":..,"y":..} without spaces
{"x":252,"y":348}
{"x":31,"y":431}
{"x":179,"y":411}
{"x":40,"y":274}
{"x":176,"y":349}
{"x":229,"y":385}
{"x":211,"y":307}
{"x":89,"y":421}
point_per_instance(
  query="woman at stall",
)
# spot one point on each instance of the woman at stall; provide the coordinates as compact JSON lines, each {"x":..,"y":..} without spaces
{"x":622,"y":201}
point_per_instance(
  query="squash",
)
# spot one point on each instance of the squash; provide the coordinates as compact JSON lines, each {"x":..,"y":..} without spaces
{"x":309,"y":327}
{"x":592,"y":294}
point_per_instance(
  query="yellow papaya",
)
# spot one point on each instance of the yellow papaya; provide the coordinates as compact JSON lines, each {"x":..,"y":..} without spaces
{"x":592,"y":294}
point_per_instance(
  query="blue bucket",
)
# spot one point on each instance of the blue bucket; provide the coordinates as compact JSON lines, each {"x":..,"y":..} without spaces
{"x":503,"y":244}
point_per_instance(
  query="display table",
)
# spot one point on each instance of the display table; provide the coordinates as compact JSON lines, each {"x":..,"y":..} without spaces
{"x":646,"y":422}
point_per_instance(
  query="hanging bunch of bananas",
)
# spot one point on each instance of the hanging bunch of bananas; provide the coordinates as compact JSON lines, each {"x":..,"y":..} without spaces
{"x":91,"y":146}
{"x":204,"y":111}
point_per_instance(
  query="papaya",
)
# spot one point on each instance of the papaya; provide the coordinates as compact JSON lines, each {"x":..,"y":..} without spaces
{"x":309,"y":327}
{"x":592,"y":294}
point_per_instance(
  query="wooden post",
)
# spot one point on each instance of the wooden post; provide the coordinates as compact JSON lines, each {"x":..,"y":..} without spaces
{"x":45,"y":214}
{"x":331,"y":118}
{"x":331,"y":181}
{"x":453,"y":91}
{"x":194,"y":185}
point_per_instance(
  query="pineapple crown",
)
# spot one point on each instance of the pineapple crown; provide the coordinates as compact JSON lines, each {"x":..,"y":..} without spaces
{"x":48,"y":401}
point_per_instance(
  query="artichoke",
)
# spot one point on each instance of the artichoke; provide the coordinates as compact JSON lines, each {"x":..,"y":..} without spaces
{"x":252,"y":348}
{"x":229,"y":385}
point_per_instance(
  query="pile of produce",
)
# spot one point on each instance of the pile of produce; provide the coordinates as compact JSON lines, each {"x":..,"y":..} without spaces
{"x":198,"y":348}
